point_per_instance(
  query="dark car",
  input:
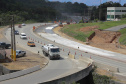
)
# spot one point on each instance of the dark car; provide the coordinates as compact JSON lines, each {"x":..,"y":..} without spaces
{"x":4,"y":45}
{"x":16,"y":32}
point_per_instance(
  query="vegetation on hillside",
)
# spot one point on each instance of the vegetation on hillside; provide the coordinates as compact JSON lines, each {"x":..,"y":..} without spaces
{"x":73,"y":29}
{"x":36,"y":10}
{"x":122,"y":39}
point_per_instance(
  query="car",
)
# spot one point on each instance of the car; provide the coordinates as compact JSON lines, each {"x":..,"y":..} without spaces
{"x":16,"y":32}
{"x":20,"y":53}
{"x":31,"y":43}
{"x":23,"y":36}
{"x":23,"y":24}
{"x":5,"y":45}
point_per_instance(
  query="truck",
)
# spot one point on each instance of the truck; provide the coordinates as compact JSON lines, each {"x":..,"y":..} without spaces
{"x":5,"y":45}
{"x":20,"y":53}
{"x":53,"y":52}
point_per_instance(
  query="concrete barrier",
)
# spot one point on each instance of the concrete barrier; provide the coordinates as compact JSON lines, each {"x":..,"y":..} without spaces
{"x":4,"y":70}
{"x":71,"y":56}
{"x":71,"y":78}
{"x":85,"y":59}
{"x":106,"y":67}
{"x":19,"y":73}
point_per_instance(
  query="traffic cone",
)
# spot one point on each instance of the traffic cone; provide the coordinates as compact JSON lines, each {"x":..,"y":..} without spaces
{"x":81,"y":54}
{"x":75,"y":53}
{"x":90,"y":57}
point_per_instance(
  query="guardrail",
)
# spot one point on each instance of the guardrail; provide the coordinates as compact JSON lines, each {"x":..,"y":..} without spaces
{"x":19,"y":73}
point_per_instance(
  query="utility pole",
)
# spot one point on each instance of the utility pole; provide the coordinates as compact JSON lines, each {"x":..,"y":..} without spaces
{"x":14,"y":43}
{"x":12,"y":39}
{"x":100,"y":11}
{"x":120,"y":1}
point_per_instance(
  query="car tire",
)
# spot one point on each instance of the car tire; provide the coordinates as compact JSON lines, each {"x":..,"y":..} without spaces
{"x":24,"y":54}
{"x":50,"y":57}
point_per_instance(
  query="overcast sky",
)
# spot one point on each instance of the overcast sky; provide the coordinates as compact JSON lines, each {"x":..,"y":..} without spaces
{"x":90,"y":2}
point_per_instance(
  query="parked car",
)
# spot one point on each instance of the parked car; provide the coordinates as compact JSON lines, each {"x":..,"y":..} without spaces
{"x":4,"y":45}
{"x":31,"y":43}
{"x":23,"y":24}
{"x":20,"y":53}
{"x":23,"y":36}
{"x":16,"y":32}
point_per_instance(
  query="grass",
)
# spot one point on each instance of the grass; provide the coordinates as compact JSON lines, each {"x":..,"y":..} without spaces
{"x":73,"y":29}
{"x":122,"y":39}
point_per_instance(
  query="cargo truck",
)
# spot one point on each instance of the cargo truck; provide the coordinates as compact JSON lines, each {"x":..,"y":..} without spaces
{"x":53,"y":52}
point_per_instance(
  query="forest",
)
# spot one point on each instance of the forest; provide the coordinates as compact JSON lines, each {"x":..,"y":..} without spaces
{"x":44,"y":10}
{"x":36,"y":10}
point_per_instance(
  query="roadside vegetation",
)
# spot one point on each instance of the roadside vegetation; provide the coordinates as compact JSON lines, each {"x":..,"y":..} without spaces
{"x":122,"y":39}
{"x":73,"y":30}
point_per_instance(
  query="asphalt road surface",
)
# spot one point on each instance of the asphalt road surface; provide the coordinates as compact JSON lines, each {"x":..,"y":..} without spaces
{"x":54,"y":69}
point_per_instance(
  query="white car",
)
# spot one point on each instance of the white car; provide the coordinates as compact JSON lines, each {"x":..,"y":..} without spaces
{"x":23,"y":36}
{"x":23,"y":24}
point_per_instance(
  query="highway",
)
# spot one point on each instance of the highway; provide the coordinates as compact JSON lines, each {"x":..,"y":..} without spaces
{"x":54,"y":69}
{"x":98,"y":55}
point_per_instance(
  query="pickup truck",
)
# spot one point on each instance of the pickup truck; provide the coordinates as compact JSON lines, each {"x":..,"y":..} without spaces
{"x":20,"y":53}
{"x":4,"y":45}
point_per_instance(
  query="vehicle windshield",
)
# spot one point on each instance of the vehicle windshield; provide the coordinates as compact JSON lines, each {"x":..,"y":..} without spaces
{"x":55,"y":50}
{"x":23,"y":35}
{"x":17,"y":51}
{"x":3,"y":44}
{"x":31,"y":42}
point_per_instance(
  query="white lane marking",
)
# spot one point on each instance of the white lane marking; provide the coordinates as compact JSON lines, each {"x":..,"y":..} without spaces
{"x":80,"y":67}
{"x":65,"y":57}
{"x":50,"y":28}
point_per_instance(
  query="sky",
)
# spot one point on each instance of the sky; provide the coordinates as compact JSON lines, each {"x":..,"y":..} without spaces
{"x":91,"y":2}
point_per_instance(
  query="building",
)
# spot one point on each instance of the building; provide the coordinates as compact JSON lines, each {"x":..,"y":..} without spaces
{"x":115,"y":13}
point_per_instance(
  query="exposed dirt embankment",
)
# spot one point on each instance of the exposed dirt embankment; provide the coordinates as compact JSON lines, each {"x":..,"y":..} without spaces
{"x":89,"y":28}
{"x":105,"y":36}
{"x":107,"y":40}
